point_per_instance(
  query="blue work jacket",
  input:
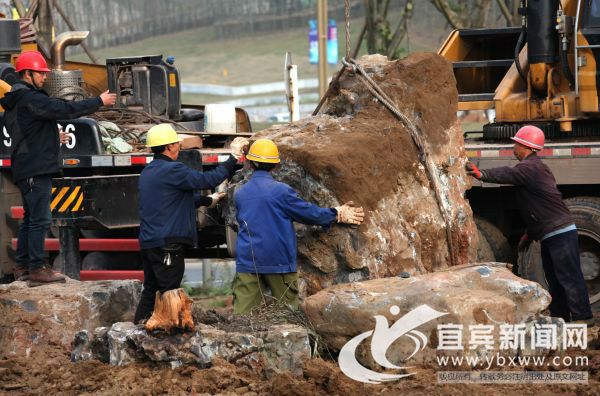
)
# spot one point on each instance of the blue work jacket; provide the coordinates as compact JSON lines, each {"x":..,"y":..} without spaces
{"x":266,"y":210}
{"x":166,"y":198}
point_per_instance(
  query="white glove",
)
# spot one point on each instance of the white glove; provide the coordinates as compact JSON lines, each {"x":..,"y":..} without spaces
{"x":238,"y":145}
{"x":216,"y":197}
{"x":349,"y":214}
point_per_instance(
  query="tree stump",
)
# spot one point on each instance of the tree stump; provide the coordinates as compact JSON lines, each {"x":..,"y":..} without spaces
{"x":172,"y":310}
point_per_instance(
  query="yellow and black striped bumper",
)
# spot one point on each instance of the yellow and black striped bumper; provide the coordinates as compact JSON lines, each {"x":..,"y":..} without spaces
{"x":66,"y":199}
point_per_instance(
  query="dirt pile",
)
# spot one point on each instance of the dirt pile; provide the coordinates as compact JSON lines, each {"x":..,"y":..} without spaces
{"x":357,"y":150}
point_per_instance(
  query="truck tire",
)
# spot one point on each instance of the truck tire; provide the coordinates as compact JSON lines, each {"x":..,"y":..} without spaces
{"x":111,"y":261}
{"x":484,"y":251}
{"x":529,"y":264}
{"x":497,"y":241}
{"x":586,"y":214}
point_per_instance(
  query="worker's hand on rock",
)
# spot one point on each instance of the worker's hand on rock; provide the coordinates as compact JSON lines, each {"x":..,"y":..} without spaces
{"x":216,"y":197}
{"x":108,"y":99}
{"x":349,"y":214}
{"x":524,"y":243}
{"x":238,"y":145}
{"x":473,"y":170}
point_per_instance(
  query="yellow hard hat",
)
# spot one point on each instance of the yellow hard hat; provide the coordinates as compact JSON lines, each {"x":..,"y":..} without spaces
{"x":263,"y":150}
{"x":161,"y":134}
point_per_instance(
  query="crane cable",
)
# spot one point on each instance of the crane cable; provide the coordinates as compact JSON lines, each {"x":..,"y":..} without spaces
{"x":350,"y":66}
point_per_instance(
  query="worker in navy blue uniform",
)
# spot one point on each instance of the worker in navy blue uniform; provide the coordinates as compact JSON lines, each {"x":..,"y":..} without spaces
{"x":30,"y":119}
{"x":266,"y":242}
{"x":549,"y":220}
{"x":167,"y":205}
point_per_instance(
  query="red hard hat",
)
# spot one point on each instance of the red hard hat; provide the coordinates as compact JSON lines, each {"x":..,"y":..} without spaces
{"x":31,"y":60}
{"x":530,"y":136}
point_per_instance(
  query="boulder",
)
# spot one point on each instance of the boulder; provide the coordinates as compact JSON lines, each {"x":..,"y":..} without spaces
{"x":282,"y":348}
{"x":52,"y":314}
{"x":356,"y":149}
{"x":472,"y":295}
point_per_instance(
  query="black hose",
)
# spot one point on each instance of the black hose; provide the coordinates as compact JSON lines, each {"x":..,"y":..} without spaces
{"x":518,"y":48}
{"x":565,"y":66}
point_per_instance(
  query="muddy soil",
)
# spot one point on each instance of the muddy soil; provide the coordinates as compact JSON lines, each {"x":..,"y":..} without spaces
{"x":50,"y":372}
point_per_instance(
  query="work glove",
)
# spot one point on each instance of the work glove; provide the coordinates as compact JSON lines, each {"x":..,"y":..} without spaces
{"x":238,"y":145}
{"x":524,"y":243}
{"x":473,"y":170}
{"x":216,"y":197}
{"x":349,"y":214}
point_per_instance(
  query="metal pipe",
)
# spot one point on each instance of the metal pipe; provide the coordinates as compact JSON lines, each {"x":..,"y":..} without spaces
{"x":62,"y":41}
{"x":322,"y":33}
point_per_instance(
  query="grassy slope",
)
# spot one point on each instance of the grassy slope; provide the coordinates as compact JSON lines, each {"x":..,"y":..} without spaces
{"x":201,"y":58}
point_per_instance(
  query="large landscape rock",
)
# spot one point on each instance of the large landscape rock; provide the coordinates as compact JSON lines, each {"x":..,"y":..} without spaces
{"x":355,"y":149}
{"x":486,"y":294}
{"x":33,"y":318}
{"x":282,"y":348}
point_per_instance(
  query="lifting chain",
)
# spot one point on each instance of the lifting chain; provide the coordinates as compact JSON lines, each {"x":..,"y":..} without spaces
{"x":350,"y":65}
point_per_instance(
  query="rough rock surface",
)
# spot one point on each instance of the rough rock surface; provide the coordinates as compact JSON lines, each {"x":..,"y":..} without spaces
{"x":283,"y":348}
{"x":53,"y":314}
{"x":357,"y":150}
{"x":486,"y":294}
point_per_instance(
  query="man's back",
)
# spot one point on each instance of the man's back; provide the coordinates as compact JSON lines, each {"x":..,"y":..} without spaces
{"x":166,"y":208}
{"x":540,"y":203}
{"x":266,"y":210}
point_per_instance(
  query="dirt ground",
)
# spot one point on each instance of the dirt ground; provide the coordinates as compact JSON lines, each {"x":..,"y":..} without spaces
{"x":50,"y":372}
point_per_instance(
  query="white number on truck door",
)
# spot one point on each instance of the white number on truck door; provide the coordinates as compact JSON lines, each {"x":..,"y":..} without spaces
{"x":72,"y":141}
{"x":8,"y":141}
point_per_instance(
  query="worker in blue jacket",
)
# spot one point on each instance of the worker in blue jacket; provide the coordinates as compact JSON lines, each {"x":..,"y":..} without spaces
{"x":266,"y":242}
{"x":548,"y":220}
{"x":167,"y":206}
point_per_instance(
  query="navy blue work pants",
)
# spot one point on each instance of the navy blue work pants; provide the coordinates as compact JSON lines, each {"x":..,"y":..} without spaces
{"x":560,"y":258}
{"x":36,"y":193}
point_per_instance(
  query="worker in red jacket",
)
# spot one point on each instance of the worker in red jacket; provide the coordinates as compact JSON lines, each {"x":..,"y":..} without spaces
{"x":548,"y":220}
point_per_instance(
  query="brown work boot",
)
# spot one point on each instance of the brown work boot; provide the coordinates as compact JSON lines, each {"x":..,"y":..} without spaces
{"x":43,"y":276}
{"x":21,"y":273}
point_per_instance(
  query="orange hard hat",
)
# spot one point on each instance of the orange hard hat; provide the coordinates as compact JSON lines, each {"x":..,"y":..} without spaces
{"x":31,"y":60}
{"x":530,"y":136}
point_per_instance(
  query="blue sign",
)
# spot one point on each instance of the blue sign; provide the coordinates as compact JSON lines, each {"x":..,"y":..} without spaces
{"x":332,"y":43}
{"x":313,"y":42}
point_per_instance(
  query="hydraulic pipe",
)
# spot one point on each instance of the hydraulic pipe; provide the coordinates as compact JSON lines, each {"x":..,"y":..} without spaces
{"x":542,"y":40}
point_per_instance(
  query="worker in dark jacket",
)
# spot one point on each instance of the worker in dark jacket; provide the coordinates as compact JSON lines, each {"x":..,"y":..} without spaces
{"x":167,"y":211}
{"x":548,"y":220}
{"x":266,"y":242}
{"x":30,"y":118}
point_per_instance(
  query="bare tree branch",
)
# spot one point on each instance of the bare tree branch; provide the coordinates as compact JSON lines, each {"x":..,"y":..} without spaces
{"x":505,"y":12}
{"x":401,"y":30}
{"x":453,"y":19}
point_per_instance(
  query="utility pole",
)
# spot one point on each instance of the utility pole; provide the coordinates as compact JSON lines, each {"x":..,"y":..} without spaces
{"x":322,"y":33}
